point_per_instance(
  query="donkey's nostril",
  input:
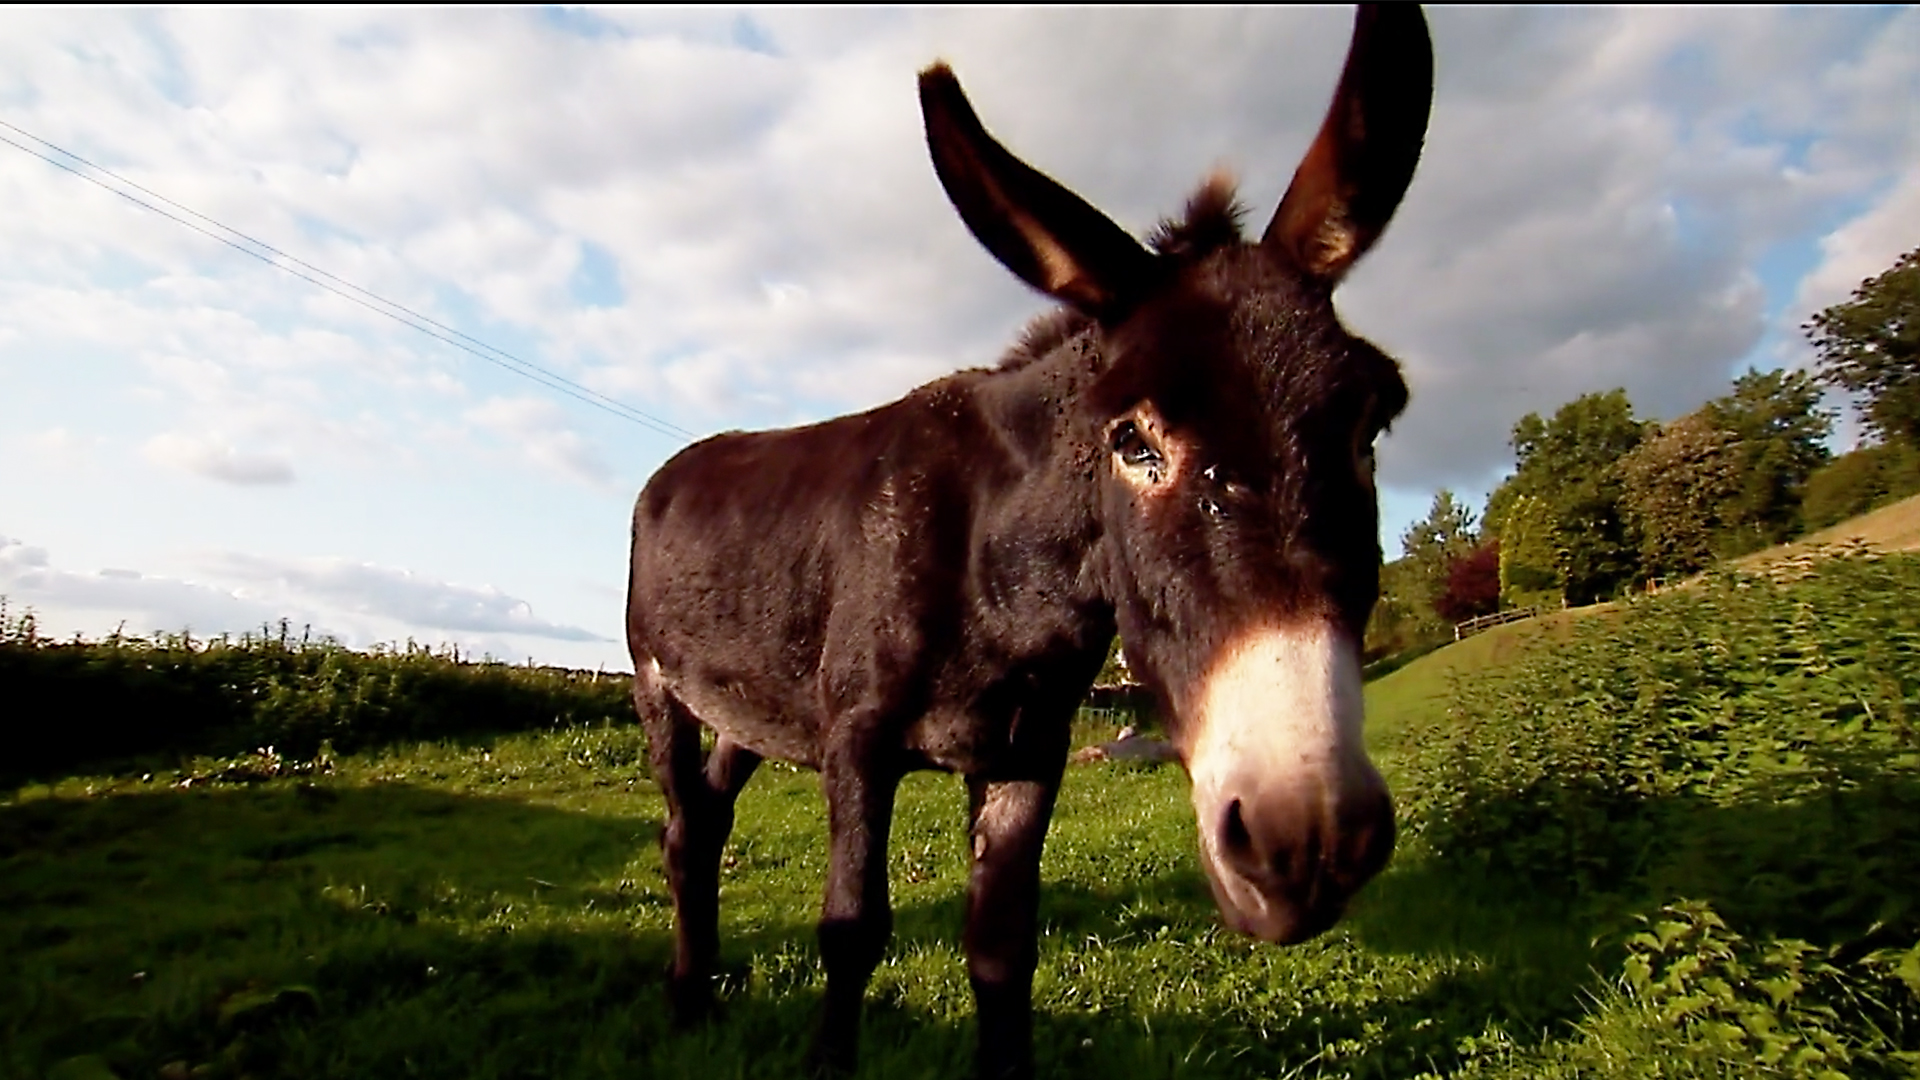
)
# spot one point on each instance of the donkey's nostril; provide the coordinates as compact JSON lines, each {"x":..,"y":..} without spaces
{"x":1235,"y":841}
{"x":1249,"y":847}
{"x":1265,"y":845}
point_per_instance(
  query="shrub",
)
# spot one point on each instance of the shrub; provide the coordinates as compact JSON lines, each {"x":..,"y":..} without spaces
{"x":77,"y":702}
{"x":1751,"y":743}
{"x":1859,"y":481}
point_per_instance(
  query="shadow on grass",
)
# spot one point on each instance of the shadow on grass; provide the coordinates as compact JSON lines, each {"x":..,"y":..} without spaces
{"x":394,"y":930}
{"x":434,"y":926}
{"x":321,"y":930}
{"x":1840,"y":870}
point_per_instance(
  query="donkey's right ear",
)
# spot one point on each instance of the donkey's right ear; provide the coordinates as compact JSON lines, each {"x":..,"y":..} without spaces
{"x":1038,"y":229}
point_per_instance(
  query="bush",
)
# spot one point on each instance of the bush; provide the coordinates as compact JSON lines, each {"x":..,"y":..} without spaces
{"x":1865,"y":479}
{"x":78,"y":702}
{"x":1750,"y":744}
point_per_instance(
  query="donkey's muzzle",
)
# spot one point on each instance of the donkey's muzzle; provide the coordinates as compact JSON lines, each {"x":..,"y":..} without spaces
{"x":1293,"y":817}
{"x":1283,"y":864}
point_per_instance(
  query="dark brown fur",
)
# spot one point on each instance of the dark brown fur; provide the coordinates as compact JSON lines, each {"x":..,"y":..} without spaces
{"x":933,"y":583}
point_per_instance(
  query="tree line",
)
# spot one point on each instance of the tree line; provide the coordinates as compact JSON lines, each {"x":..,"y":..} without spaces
{"x":1601,"y":502}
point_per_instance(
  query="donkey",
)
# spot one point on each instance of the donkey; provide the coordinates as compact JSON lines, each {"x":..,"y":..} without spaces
{"x":1183,"y":453}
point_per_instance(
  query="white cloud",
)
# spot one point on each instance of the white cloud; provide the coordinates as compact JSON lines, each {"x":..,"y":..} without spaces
{"x":1863,"y":247}
{"x":1599,"y":192}
{"x":71,"y":600}
{"x":399,"y":595}
{"x":238,"y":593}
{"x":537,"y":428}
{"x":17,"y":557}
{"x":215,"y":458}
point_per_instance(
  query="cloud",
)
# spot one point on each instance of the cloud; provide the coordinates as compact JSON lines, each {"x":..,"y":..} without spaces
{"x":400,"y":595}
{"x":18,"y":558}
{"x":357,"y":603}
{"x":29,"y":580}
{"x":763,"y":210}
{"x":537,"y":428}
{"x":733,"y":223}
{"x":216,"y":459}
{"x":1863,"y":247}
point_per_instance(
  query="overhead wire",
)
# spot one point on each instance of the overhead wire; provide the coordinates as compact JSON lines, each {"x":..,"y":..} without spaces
{"x":347,"y":290}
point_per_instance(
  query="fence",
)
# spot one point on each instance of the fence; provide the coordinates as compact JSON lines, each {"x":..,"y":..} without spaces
{"x":1472,"y":626}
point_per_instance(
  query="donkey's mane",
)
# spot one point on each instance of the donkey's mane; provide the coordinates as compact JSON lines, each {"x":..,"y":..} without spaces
{"x":1210,"y":221}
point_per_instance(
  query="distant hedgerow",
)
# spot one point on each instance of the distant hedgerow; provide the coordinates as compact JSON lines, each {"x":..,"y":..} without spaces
{"x":68,"y":703}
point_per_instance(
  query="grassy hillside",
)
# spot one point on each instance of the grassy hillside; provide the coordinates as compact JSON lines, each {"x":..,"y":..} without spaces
{"x":1890,"y":528}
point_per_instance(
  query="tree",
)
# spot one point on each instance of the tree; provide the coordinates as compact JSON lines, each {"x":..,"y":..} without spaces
{"x":1432,"y":545}
{"x":1529,"y":553}
{"x":1568,"y":463}
{"x":1404,"y":617}
{"x":1678,"y":488}
{"x":1859,"y":481}
{"x":1778,"y":437}
{"x":1472,"y":586}
{"x":1444,"y":533}
{"x":1870,"y":345}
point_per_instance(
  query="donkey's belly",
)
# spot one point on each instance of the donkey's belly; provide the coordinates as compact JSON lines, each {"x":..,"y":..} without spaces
{"x":956,"y":740}
{"x":770,"y":728}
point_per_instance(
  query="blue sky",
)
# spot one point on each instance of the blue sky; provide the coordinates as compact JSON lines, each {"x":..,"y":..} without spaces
{"x":725,"y":219}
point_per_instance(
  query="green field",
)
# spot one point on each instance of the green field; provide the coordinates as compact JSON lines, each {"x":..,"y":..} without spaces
{"x":1677,"y":838}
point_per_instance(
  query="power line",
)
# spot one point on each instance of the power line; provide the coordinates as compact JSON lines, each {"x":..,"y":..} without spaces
{"x":347,"y":290}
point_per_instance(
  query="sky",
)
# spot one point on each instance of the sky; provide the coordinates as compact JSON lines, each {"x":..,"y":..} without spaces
{"x":725,"y":219}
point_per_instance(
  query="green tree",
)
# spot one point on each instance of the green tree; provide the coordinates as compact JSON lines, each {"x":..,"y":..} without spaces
{"x":1529,"y":550}
{"x":1445,"y":533}
{"x":1859,"y":481}
{"x":1404,"y":618}
{"x":1779,"y":438}
{"x":1870,"y":344}
{"x":1432,"y":545}
{"x":1568,"y":462}
{"x":1678,"y":487}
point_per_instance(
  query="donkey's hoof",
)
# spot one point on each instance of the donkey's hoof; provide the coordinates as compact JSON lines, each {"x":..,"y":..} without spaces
{"x":828,"y":1061}
{"x":692,"y":1001}
{"x":992,"y":1063}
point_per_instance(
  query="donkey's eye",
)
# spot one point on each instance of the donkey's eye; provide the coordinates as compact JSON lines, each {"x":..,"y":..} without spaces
{"x":1132,"y":447}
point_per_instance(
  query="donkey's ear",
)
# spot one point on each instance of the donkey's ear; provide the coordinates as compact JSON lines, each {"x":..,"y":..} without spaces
{"x":1038,"y":229}
{"x":1358,"y":167}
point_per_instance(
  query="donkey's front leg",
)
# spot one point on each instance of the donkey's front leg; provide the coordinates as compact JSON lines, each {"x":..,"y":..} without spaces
{"x":1009,"y":825}
{"x":856,"y":919}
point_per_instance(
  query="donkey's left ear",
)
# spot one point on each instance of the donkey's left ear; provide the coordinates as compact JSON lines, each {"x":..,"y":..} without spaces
{"x":1353,"y":176}
{"x":1046,"y":234}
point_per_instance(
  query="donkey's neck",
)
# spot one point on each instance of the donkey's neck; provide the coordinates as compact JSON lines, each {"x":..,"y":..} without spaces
{"x":1029,"y":402}
{"x":1036,"y":548}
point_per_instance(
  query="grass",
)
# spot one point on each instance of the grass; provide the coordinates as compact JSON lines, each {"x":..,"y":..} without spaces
{"x":496,"y":908}
{"x":465,"y":911}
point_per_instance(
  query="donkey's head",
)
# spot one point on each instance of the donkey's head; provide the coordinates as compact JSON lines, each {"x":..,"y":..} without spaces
{"x":1233,"y":425}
